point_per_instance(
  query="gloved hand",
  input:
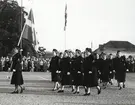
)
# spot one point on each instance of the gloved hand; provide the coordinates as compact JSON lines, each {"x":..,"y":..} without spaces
{"x":9,"y":69}
{"x":79,"y":72}
{"x":14,"y":70}
{"x":90,"y":72}
{"x":68,"y":73}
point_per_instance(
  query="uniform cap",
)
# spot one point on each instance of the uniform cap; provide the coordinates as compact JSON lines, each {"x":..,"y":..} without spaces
{"x":55,"y":50}
{"x":89,"y":50}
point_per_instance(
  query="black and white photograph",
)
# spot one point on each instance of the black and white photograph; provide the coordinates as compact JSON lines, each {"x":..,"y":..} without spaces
{"x":67,"y":52}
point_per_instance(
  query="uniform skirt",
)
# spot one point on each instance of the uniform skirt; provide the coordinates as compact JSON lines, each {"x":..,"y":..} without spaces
{"x":120,"y":76}
{"x":91,"y":79}
{"x":73,"y":74}
{"x":55,"y":76}
{"x":17,"y":78}
{"x":66,"y":79}
{"x":78,"y":79}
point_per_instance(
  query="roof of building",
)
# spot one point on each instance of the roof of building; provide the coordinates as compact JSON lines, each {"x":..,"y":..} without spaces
{"x":117,"y":45}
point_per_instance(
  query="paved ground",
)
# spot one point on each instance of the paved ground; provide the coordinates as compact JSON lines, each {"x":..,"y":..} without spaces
{"x":38,"y":92}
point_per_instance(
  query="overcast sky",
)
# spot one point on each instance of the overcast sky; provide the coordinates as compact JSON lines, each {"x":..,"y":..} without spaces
{"x":96,"y":21}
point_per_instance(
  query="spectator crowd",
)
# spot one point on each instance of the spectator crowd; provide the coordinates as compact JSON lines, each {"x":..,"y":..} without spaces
{"x":30,"y":64}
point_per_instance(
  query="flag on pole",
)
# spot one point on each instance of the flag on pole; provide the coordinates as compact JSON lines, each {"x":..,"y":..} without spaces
{"x":28,"y":31}
{"x":65,"y":17}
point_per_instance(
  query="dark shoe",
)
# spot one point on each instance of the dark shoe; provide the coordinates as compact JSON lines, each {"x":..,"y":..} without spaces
{"x":104,"y":87}
{"x":61,"y":91}
{"x":111,"y":83}
{"x":88,"y":94}
{"x":99,"y":90}
{"x":15,"y":92}
{"x":77,"y":92}
{"x":54,"y":89}
{"x":85,"y":94}
{"x":73,"y":90}
{"x":120,"y":88}
{"x":123,"y":85}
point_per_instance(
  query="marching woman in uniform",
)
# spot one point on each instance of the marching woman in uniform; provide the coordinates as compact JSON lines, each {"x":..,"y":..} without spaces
{"x":78,"y":79}
{"x":111,"y":69}
{"x":72,"y":69}
{"x":105,"y":70}
{"x":90,"y":73}
{"x":120,"y":67}
{"x":54,"y":68}
{"x":100,"y":66}
{"x":97,"y":64}
{"x":65,"y":68}
{"x":17,"y":78}
{"x":60,"y":70}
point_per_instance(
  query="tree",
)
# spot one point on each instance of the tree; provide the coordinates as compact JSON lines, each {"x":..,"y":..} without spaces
{"x":11,"y":17}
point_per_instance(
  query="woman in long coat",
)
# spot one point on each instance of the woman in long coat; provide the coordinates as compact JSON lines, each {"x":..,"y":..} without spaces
{"x":54,"y":68}
{"x":78,"y":77}
{"x":90,"y":73}
{"x":65,"y":68}
{"x":120,"y":67}
{"x":17,"y":78}
{"x":72,"y":69}
{"x":105,"y":70}
{"x":111,"y":69}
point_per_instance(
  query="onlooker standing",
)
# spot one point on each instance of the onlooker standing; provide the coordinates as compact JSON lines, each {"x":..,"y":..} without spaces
{"x":7,"y":64}
{"x":41,"y":62}
{"x":29,"y":65}
{"x":131,"y":64}
{"x":1,"y":68}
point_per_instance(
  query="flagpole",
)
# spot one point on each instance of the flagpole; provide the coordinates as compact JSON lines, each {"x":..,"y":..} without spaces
{"x":91,"y":45}
{"x":65,"y":23}
{"x":65,"y":39}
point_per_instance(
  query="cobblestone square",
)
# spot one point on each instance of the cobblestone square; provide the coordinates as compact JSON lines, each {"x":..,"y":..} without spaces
{"x":38,"y":91}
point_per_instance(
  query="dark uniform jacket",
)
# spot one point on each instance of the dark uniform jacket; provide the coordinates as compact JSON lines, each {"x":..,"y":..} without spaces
{"x":78,"y":79}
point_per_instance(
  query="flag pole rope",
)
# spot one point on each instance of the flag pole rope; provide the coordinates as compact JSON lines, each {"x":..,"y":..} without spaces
{"x":21,"y":23}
